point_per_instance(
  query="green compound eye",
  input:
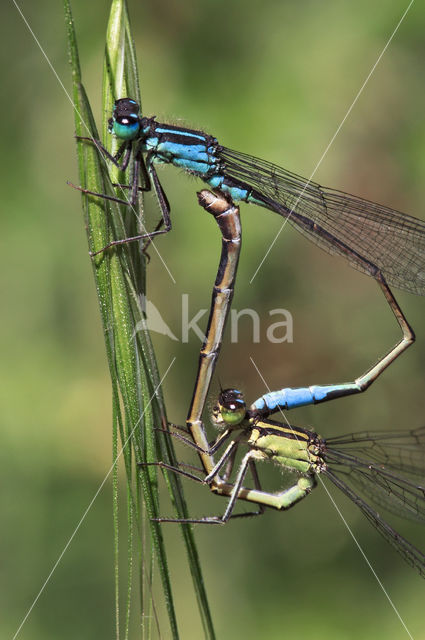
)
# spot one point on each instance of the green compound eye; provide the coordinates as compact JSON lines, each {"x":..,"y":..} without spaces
{"x":233,"y":416}
{"x":232,"y":406}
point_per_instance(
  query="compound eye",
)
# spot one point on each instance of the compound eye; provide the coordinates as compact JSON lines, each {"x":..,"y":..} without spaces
{"x":126,"y":127}
{"x":125,"y":121}
{"x":232,"y":407}
{"x":128,"y":105}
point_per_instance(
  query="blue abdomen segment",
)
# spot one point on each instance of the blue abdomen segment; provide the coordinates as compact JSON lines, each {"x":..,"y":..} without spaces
{"x":289,"y":398}
{"x":237,"y":193}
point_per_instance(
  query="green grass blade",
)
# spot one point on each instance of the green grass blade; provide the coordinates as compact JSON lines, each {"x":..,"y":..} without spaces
{"x":120,"y":278}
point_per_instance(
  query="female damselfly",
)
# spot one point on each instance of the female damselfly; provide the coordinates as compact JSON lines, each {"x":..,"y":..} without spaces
{"x":387,"y":467}
{"x":227,"y":218}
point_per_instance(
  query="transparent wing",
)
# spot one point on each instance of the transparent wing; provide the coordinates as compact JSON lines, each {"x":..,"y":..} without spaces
{"x":392,"y":241}
{"x":411,"y":555}
{"x":387,"y":467}
{"x":399,"y":450}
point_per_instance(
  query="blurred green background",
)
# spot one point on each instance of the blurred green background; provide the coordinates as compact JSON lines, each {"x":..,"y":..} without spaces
{"x":273,"y":79}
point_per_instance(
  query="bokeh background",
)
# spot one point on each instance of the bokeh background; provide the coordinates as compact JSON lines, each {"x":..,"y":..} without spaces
{"x":273,"y":79}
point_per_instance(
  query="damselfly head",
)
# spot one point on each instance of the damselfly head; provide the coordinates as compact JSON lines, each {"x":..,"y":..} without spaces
{"x":230,"y":409}
{"x":125,"y":121}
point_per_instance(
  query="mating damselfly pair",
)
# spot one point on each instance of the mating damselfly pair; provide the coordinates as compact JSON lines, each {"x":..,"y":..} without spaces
{"x":381,"y":242}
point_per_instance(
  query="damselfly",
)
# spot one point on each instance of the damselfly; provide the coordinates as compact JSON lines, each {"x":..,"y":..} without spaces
{"x":373,"y":238}
{"x":387,"y":467}
{"x":379,"y":241}
{"x":227,"y":217}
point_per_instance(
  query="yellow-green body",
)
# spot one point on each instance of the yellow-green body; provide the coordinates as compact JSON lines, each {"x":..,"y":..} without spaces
{"x":285,"y":446}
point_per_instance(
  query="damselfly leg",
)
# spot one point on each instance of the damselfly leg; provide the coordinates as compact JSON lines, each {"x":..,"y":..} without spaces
{"x":387,"y":467}
{"x":374,"y":239}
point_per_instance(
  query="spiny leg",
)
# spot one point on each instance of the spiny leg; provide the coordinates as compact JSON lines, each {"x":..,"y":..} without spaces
{"x":139,"y":169}
{"x":247,"y":462}
{"x":212,"y":446}
{"x":126,"y":146}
